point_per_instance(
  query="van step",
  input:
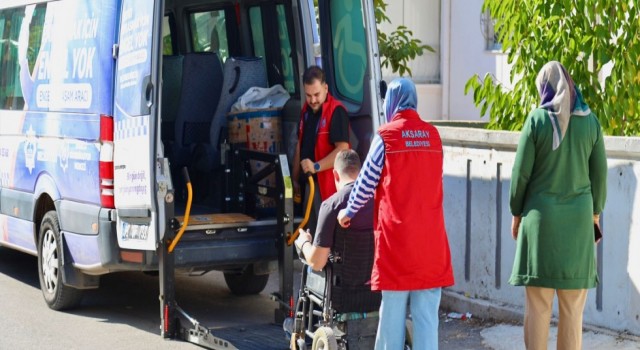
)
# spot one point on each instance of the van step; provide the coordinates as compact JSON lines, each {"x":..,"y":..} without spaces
{"x":208,"y":219}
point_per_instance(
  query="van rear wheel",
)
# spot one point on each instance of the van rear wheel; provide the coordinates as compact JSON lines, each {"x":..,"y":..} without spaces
{"x":245,"y":282}
{"x":57,"y":295}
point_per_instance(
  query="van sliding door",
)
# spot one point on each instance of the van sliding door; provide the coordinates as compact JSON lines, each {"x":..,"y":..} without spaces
{"x":135,"y":123}
{"x":351,"y":61}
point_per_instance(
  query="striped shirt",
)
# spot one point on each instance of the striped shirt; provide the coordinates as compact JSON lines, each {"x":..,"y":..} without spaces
{"x":367,"y":181}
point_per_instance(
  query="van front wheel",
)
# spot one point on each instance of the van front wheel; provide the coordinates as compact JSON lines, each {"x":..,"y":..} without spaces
{"x":245,"y":282}
{"x":57,"y":295}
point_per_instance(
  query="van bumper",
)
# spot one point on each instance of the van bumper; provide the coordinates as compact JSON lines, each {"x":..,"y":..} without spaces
{"x":197,"y":251}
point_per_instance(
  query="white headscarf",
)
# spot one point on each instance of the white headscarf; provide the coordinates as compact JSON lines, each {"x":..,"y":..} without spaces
{"x":560,"y":97}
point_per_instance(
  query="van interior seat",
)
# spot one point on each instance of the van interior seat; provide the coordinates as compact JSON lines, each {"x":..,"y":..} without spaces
{"x":198,"y":99}
{"x":171,"y":86}
{"x":205,"y":167}
{"x":240,"y":74}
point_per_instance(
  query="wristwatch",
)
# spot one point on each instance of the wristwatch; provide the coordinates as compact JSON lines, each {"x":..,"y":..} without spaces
{"x":316,"y":166}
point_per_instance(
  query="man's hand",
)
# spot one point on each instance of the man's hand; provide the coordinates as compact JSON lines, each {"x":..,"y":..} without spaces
{"x":515,"y":225}
{"x":303,"y":236}
{"x":343,"y":219}
{"x":307,"y":166}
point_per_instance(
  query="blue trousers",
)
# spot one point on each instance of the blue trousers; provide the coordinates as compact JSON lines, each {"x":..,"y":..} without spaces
{"x":424,"y":305}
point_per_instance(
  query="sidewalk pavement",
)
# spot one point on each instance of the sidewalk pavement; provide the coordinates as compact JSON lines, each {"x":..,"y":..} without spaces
{"x":477,"y":334}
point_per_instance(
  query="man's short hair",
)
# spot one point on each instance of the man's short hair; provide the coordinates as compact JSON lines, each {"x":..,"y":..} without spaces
{"x":347,"y":162}
{"x":312,"y":74}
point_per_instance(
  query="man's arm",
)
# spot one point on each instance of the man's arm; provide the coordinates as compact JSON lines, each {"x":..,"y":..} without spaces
{"x":338,"y":136}
{"x":326,"y":162}
{"x":314,"y":255}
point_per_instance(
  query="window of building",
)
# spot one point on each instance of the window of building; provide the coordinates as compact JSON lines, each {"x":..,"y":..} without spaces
{"x":487,"y":26}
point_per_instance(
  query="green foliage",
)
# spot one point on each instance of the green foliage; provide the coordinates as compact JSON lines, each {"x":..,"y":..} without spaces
{"x":398,"y":47}
{"x":584,"y":35}
{"x":167,"y":45}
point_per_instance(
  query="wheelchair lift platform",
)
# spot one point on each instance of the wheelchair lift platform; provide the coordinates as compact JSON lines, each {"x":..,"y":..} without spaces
{"x":253,"y":336}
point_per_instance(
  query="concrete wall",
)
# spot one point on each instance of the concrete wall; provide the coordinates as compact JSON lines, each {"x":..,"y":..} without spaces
{"x":467,"y":55}
{"x":423,"y":18}
{"x":477,"y":178}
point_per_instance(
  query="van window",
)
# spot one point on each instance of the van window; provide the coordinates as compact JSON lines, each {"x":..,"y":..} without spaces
{"x":285,"y":49}
{"x":10,"y":91}
{"x":278,"y":58}
{"x":349,"y":51}
{"x":257,"y":34}
{"x":209,"y":32}
{"x":10,"y":24}
{"x":168,"y":46}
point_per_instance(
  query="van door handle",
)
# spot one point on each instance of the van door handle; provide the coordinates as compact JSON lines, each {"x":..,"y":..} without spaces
{"x":148,"y":93}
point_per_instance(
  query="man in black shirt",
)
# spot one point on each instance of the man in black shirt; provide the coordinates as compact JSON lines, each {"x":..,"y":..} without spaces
{"x":322,"y":133}
{"x":347,"y":167}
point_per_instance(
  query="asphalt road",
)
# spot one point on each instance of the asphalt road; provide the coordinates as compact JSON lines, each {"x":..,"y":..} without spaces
{"x":124,"y":313}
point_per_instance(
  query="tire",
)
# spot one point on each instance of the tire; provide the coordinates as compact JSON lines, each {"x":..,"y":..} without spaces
{"x":408,"y":335}
{"x":57,"y":295}
{"x":245,"y":282}
{"x":324,"y":339}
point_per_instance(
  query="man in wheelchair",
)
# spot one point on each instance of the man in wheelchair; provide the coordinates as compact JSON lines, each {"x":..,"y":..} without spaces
{"x":336,"y":307}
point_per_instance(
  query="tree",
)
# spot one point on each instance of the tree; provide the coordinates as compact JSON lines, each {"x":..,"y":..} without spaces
{"x":399,"y":47}
{"x":587,"y":37}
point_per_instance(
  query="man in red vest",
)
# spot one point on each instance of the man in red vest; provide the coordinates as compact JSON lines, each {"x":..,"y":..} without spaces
{"x":412,"y":262}
{"x":322,"y":133}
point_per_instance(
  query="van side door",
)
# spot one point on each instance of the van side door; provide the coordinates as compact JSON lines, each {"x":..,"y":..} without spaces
{"x":351,"y":61}
{"x":135,"y":109}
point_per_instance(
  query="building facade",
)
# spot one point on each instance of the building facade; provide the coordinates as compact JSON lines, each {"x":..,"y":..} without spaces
{"x":462,"y":37}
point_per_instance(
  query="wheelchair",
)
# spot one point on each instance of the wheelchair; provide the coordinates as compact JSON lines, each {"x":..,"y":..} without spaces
{"x":336,"y":308}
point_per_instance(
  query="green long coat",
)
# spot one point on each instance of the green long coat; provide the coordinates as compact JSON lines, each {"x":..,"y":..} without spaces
{"x":557,"y":193}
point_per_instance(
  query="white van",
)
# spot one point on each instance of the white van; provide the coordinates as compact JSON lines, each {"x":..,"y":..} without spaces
{"x":104,"y":102}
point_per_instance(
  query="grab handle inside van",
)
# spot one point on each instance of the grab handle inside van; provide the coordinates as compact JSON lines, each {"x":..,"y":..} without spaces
{"x":175,"y":241}
{"x":312,"y":190}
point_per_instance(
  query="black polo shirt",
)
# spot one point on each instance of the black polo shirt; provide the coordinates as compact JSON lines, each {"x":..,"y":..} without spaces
{"x":338,"y":131}
{"x":328,"y":217}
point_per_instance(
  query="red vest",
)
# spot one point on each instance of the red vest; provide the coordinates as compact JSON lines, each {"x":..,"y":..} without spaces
{"x":323,"y":146}
{"x":412,"y":250}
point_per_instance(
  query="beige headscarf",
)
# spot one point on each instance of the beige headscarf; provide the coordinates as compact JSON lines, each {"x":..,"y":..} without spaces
{"x":560,"y":97}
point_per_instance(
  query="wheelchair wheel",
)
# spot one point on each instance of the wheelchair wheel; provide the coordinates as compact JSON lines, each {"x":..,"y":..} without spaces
{"x":324,"y":339}
{"x":408,"y":335}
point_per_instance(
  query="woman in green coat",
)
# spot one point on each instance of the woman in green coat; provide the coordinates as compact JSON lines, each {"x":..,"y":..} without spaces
{"x":558,"y":189}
